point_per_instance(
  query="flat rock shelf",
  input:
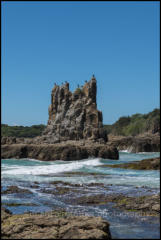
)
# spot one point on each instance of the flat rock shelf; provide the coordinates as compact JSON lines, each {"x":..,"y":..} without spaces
{"x":49,"y":152}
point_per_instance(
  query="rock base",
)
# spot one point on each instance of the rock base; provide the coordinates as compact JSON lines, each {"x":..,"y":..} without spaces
{"x":62,"y":151}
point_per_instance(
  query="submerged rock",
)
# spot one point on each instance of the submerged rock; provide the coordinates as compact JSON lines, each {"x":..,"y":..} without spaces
{"x":15,"y":189}
{"x":145,"y":164}
{"x":143,"y":205}
{"x":51,"y":225}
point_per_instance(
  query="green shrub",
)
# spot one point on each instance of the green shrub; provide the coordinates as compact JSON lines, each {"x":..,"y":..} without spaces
{"x":136,"y":124}
{"x":21,"y":131}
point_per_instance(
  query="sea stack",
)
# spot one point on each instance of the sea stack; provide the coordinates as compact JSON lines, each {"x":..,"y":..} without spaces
{"x":74,"y":130}
{"x":74,"y":116}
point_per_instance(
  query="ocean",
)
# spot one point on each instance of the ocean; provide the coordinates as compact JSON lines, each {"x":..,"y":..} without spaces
{"x":94,"y":178}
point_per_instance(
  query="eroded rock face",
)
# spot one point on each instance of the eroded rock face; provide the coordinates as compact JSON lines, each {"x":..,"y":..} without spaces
{"x":136,"y":144}
{"x":74,"y":116}
{"x":50,"y":152}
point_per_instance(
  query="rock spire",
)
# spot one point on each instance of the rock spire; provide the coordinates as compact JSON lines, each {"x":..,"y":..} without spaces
{"x":74,"y":116}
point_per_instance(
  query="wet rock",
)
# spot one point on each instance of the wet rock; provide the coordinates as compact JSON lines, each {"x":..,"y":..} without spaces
{"x":15,"y":189}
{"x":76,"y":185}
{"x":143,"y":205}
{"x":146,"y":164}
{"x":14,"y":204}
{"x":53,"y":226}
{"x":59,"y":190}
{"x":97,"y":199}
{"x":66,"y":184}
{"x":34,"y":186}
{"x":83,"y":174}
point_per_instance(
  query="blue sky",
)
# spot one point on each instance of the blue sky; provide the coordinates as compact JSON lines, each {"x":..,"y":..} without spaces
{"x":47,"y":42}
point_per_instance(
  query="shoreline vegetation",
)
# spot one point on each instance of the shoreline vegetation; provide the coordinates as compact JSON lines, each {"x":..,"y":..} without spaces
{"x":22,"y":131}
{"x":137,"y":124}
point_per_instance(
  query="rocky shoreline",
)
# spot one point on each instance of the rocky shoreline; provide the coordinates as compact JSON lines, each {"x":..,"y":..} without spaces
{"x":146,"y":205}
{"x":139,"y":202}
{"x":145,"y":143}
{"x":63,"y":151}
{"x":75,"y":131}
{"x":52,"y":225}
{"x":76,"y":150}
{"x":59,"y":224}
{"x":143,"y":205}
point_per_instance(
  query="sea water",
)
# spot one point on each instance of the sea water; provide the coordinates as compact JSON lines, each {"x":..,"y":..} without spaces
{"x":24,"y":172}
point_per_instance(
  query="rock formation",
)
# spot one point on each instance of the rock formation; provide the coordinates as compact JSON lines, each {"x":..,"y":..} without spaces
{"x":149,"y":143}
{"x":74,"y":116}
{"x":145,"y":164}
{"x":51,"y":152}
{"x":74,"y":130}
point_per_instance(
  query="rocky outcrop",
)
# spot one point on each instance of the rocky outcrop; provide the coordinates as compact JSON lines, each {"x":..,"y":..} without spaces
{"x":145,"y":164}
{"x":149,"y":143}
{"x":49,"y":152}
{"x":52,"y":225}
{"x":15,"y":189}
{"x":143,"y":205}
{"x":74,"y":130}
{"x":14,"y":140}
{"x":74,"y":116}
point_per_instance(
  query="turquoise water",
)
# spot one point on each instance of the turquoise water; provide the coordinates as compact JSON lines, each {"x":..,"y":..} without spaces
{"x":34,"y":170}
{"x":24,"y":172}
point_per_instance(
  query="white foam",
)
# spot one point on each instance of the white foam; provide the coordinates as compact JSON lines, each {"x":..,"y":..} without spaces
{"x":149,"y":153}
{"x":54,"y":168}
{"x":124,"y":151}
{"x":32,"y":160}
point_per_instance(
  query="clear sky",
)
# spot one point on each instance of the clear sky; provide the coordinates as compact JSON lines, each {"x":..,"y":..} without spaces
{"x":46,"y":42}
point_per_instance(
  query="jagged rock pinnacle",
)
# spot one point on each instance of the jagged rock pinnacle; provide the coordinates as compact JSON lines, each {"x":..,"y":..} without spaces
{"x":74,"y":116}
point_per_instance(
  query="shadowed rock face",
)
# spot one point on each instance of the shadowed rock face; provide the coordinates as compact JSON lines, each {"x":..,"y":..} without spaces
{"x":149,"y":143}
{"x":74,"y":116}
{"x":49,"y":152}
